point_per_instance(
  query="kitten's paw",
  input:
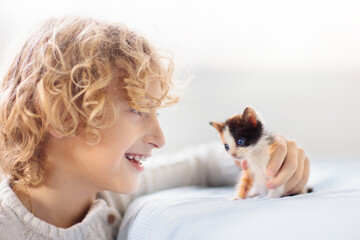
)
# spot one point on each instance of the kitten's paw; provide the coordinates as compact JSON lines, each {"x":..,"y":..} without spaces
{"x":269,"y":196}
{"x":253,"y":193}
{"x":275,"y":193}
{"x":234,"y":198}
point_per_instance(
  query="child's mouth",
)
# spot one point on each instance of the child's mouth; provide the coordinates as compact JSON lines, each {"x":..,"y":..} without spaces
{"x":136,"y":160}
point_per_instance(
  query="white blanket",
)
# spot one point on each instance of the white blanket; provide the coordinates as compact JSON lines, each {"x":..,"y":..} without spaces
{"x":332,"y":211}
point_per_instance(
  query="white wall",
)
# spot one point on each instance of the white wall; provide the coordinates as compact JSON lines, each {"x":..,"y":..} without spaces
{"x":297,"y":62}
{"x":321,"y":111}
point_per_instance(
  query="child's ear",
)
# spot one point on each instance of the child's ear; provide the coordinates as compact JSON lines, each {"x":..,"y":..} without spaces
{"x":54,"y":133}
{"x":249,"y":115}
{"x":218,"y":126}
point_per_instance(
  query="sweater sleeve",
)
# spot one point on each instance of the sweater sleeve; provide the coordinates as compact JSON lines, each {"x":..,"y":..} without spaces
{"x":203,"y":165}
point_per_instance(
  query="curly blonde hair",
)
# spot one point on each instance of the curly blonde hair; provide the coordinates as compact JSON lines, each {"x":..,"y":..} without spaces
{"x":62,"y":78}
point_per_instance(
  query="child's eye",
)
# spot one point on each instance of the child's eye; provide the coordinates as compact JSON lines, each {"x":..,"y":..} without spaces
{"x":241,"y":142}
{"x":136,"y":112}
{"x":226,"y":147}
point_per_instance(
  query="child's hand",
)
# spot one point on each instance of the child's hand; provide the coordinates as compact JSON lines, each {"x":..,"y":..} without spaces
{"x":288,"y":164}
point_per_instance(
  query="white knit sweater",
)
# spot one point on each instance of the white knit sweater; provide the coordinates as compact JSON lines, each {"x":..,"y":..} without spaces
{"x":206,"y":165}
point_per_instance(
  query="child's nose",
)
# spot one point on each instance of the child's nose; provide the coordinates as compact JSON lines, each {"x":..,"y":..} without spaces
{"x":156,"y":136}
{"x":158,"y":141}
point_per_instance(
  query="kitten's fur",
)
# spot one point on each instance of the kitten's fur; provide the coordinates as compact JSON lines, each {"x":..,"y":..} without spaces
{"x":257,"y":147}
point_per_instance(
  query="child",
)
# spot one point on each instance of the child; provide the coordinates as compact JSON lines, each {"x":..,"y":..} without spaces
{"x":78,"y":116}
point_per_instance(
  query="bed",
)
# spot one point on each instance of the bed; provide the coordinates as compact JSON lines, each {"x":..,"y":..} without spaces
{"x":332,"y":211}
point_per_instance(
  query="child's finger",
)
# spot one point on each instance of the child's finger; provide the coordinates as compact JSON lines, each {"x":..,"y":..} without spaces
{"x":299,"y":173}
{"x":277,"y":157}
{"x":288,"y":169}
{"x":304,"y":179}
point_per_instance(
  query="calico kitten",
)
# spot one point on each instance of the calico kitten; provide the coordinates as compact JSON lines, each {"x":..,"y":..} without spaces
{"x":244,"y":136}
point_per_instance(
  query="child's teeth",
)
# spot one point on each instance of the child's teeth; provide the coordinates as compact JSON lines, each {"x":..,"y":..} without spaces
{"x":140,"y":159}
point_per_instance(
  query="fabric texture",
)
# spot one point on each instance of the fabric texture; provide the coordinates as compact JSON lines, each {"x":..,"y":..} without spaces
{"x":189,"y":213}
{"x":16,"y":222}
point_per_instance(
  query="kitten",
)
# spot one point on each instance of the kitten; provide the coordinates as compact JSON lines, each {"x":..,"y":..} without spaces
{"x":244,"y":136}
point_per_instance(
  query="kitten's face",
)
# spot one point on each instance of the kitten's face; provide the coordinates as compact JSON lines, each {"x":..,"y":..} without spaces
{"x":240,"y":133}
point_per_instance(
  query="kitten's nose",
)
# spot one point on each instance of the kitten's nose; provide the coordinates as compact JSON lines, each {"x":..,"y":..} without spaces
{"x":233,"y":154}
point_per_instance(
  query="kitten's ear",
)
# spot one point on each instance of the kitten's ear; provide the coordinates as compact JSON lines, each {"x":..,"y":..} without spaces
{"x":249,"y":115}
{"x":218,"y":126}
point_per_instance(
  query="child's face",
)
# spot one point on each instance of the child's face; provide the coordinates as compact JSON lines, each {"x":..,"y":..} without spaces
{"x":104,"y":166}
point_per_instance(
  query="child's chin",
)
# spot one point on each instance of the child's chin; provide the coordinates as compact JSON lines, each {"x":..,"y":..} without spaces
{"x":133,"y":190}
{"x":128,"y":189}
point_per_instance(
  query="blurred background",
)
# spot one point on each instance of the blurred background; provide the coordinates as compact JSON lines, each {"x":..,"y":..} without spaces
{"x":295,"y":62}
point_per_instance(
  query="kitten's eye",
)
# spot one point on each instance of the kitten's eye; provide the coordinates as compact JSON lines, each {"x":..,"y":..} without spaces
{"x":226,"y":147}
{"x":241,"y":142}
